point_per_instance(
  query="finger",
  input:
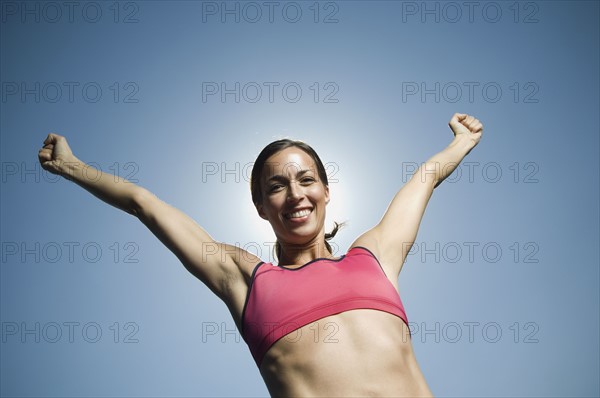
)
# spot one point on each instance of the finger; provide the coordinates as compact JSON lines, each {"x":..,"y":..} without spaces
{"x":457,"y":117}
{"x":51,"y":139}
{"x":46,"y":166}
{"x":473,"y":124}
{"x":456,"y":120}
{"x":44,"y":154}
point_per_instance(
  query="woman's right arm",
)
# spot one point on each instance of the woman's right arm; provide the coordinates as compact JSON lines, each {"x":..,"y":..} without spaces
{"x":219,"y":266}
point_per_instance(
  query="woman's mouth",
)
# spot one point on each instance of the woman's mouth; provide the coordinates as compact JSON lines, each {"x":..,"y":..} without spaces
{"x":298,"y":216}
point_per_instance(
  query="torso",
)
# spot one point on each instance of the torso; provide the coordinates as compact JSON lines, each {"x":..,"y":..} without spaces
{"x":356,"y":353}
{"x":361,"y":352}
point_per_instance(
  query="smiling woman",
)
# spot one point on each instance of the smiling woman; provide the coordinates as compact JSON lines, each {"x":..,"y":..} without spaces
{"x":281,"y":309}
{"x":293,"y":166}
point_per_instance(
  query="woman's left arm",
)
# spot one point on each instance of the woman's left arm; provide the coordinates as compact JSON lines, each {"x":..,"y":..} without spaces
{"x":467,"y":133}
{"x":393,"y":237}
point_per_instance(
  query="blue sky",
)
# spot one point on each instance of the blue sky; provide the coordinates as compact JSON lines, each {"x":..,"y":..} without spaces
{"x":502,"y":286}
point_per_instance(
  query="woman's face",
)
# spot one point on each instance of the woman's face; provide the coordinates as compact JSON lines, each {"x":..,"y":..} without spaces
{"x":293,"y":197}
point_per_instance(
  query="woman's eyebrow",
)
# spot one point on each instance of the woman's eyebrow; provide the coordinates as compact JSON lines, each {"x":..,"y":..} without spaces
{"x":279,"y":177}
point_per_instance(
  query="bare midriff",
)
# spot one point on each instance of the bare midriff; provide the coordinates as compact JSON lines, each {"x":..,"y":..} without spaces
{"x":361,"y":352}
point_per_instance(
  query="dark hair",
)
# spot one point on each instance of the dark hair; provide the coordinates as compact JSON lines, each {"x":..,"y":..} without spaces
{"x":259,"y":165}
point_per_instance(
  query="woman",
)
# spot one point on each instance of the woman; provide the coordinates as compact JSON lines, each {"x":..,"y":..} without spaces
{"x":316,"y":324}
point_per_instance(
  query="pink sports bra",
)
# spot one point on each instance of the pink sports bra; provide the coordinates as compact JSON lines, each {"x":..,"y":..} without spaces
{"x":281,"y":300}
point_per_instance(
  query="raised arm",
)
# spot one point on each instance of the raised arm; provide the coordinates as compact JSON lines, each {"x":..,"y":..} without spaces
{"x":219,"y":266}
{"x":392,"y":238}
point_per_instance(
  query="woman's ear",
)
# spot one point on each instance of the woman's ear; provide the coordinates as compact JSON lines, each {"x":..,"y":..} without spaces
{"x":261,"y":212}
{"x":326,"y":194}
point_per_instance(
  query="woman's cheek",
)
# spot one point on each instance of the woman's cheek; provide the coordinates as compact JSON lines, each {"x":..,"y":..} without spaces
{"x":317,"y":192}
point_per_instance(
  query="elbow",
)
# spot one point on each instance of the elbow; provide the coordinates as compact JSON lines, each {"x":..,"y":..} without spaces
{"x":139,"y":202}
{"x":430,"y":174}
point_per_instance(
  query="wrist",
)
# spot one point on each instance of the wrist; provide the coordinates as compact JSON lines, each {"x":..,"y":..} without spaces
{"x":463,"y":142}
{"x":69,"y":167}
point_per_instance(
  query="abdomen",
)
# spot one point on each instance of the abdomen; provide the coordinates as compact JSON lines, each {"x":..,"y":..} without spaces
{"x":360,"y":352}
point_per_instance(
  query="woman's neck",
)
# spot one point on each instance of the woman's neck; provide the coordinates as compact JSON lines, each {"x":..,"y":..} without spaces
{"x":298,"y":255}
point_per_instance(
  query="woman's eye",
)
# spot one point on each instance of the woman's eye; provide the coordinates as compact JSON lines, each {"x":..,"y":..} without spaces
{"x":274,"y":187}
{"x":308,"y":179}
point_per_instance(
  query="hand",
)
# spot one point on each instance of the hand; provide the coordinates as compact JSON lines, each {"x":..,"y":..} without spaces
{"x":55,"y":153}
{"x":463,"y":125}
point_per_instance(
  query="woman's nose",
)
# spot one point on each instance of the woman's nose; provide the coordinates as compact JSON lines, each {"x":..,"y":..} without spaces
{"x":294,"y":191}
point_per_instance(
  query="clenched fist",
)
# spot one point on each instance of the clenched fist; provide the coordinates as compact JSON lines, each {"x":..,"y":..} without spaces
{"x":466,"y":126}
{"x":55,"y":153}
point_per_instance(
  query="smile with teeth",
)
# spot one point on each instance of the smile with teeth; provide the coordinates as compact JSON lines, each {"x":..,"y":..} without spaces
{"x":298,"y":214}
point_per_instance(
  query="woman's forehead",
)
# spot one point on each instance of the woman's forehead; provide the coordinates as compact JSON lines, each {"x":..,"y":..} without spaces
{"x":289,"y":162}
